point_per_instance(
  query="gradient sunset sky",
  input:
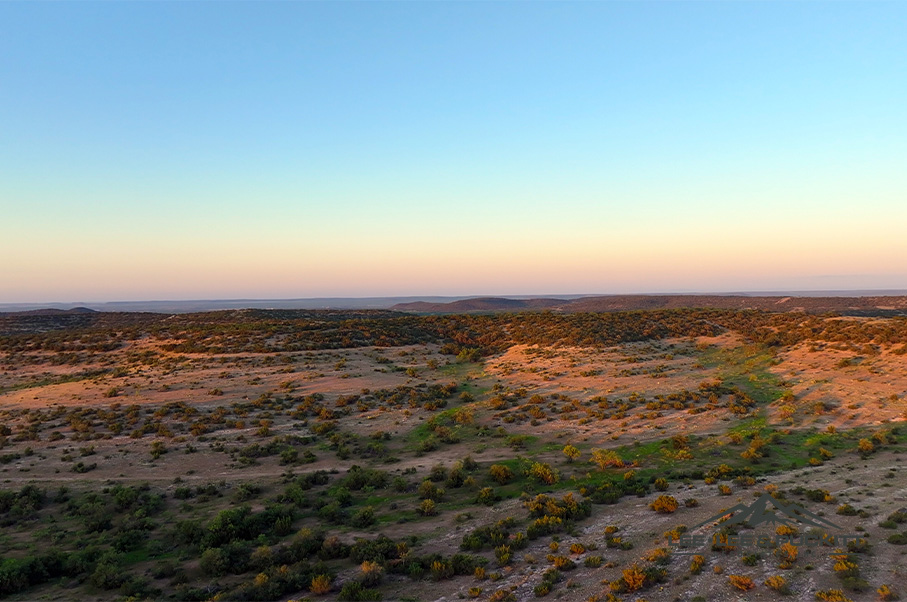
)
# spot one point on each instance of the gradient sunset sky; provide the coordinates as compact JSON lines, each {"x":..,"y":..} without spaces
{"x":181,"y":150}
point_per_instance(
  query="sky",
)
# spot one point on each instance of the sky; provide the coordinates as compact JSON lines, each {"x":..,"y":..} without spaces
{"x":206,"y":150}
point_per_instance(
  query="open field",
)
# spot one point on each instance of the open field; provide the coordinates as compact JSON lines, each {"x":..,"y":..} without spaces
{"x":277,"y":455}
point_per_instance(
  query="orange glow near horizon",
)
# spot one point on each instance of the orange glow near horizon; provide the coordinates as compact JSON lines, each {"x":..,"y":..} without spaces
{"x":512,"y":264}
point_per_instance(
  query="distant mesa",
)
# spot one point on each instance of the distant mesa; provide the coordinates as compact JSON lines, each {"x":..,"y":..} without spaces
{"x":479,"y":304}
{"x":50,"y":311}
{"x":870,"y":305}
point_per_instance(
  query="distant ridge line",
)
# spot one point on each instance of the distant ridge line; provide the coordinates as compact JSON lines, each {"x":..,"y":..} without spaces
{"x":808,"y":301}
{"x":873,"y":305}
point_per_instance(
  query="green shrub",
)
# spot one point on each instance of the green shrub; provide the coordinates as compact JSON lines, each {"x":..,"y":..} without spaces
{"x":364,"y":517}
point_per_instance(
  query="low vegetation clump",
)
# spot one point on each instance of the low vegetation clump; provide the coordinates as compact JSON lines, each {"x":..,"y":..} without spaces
{"x":635,"y":578}
{"x":847,"y":570}
{"x":741,"y":582}
{"x":778,"y":584}
{"x":501,"y":474}
{"x":831,"y":595}
{"x":665,"y":504}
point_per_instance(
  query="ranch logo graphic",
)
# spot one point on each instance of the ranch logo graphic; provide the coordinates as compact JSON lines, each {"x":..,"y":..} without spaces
{"x":768,"y":511}
{"x":758,"y":513}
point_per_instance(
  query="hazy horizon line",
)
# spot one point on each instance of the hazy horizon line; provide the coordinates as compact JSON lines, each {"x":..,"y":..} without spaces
{"x":724,"y":293}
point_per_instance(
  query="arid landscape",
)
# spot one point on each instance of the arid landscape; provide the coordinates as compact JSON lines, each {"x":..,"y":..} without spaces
{"x":366,"y":455}
{"x":334,"y":301}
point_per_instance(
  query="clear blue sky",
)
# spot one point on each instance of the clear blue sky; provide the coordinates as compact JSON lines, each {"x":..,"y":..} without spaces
{"x":283,"y":149}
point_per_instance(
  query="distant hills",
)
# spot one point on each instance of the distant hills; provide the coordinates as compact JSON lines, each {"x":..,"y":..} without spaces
{"x":50,"y":311}
{"x":479,"y":304}
{"x":179,"y":306}
{"x":875,"y":305}
{"x":848,"y":302}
